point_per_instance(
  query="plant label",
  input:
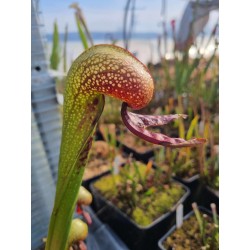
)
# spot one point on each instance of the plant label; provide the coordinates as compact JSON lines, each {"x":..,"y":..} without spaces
{"x":179,"y":216}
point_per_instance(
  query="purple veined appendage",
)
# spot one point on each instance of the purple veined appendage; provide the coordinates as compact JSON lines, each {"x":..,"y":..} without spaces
{"x":138,"y":124}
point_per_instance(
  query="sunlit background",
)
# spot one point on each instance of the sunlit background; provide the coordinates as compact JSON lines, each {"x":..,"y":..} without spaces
{"x":105,"y":20}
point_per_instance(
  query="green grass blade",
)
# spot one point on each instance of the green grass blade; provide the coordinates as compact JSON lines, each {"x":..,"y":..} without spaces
{"x":55,"y":54}
{"x":82,"y":34}
{"x":65,"y":49}
{"x":192,"y":126}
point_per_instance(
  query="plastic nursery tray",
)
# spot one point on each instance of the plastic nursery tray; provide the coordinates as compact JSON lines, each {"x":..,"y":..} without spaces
{"x":172,"y":229}
{"x":215,"y":192}
{"x":135,"y":237}
{"x":200,"y":193}
{"x":195,"y":186}
{"x":188,"y":181}
{"x":209,"y":196}
{"x":101,"y":236}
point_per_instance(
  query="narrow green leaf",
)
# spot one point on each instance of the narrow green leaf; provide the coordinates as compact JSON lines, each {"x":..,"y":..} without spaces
{"x":55,"y":54}
{"x":82,"y":34}
{"x":199,"y":218}
{"x":65,"y":49}
{"x":192,"y":126}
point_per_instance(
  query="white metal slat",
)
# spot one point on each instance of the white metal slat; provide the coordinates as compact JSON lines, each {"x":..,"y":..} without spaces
{"x":46,"y":135}
{"x":42,"y":196}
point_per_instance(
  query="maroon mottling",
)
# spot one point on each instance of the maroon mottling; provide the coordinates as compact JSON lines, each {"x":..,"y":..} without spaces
{"x":81,"y":123}
{"x":95,"y":101}
{"x":84,"y":153}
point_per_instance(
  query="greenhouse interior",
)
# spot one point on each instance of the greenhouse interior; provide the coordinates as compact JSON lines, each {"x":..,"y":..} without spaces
{"x":125,"y":125}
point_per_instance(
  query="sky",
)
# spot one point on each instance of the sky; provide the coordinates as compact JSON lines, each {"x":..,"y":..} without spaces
{"x":107,"y":15}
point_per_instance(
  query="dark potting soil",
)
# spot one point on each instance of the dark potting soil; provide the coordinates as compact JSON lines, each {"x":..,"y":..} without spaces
{"x":188,"y":237}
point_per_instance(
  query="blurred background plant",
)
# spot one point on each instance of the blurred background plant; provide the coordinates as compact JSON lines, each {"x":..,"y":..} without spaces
{"x":55,"y":53}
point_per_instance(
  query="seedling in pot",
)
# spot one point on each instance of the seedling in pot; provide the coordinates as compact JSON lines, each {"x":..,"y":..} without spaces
{"x":198,"y":231}
{"x":100,"y":70}
{"x":210,"y":241}
{"x":139,"y":194}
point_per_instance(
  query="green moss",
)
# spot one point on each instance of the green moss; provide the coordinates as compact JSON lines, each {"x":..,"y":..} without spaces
{"x":145,"y":201}
{"x":163,"y":203}
{"x":146,"y":205}
{"x":107,"y":185}
{"x":140,"y":217}
{"x":175,"y":191}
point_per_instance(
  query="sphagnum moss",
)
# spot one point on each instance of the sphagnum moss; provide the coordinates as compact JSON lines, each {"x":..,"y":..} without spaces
{"x":149,"y":205}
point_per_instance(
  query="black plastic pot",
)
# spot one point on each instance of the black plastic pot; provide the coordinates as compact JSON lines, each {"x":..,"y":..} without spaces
{"x":196,"y":189}
{"x":209,"y":196}
{"x":161,"y":241}
{"x":190,"y":182}
{"x":135,"y":237}
{"x":200,"y":193}
{"x":98,"y":136}
{"x":144,"y":157}
{"x":213,"y":191}
{"x":101,"y":236}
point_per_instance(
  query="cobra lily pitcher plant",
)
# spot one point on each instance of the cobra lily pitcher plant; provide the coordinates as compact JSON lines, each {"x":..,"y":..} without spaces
{"x":100,"y":70}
